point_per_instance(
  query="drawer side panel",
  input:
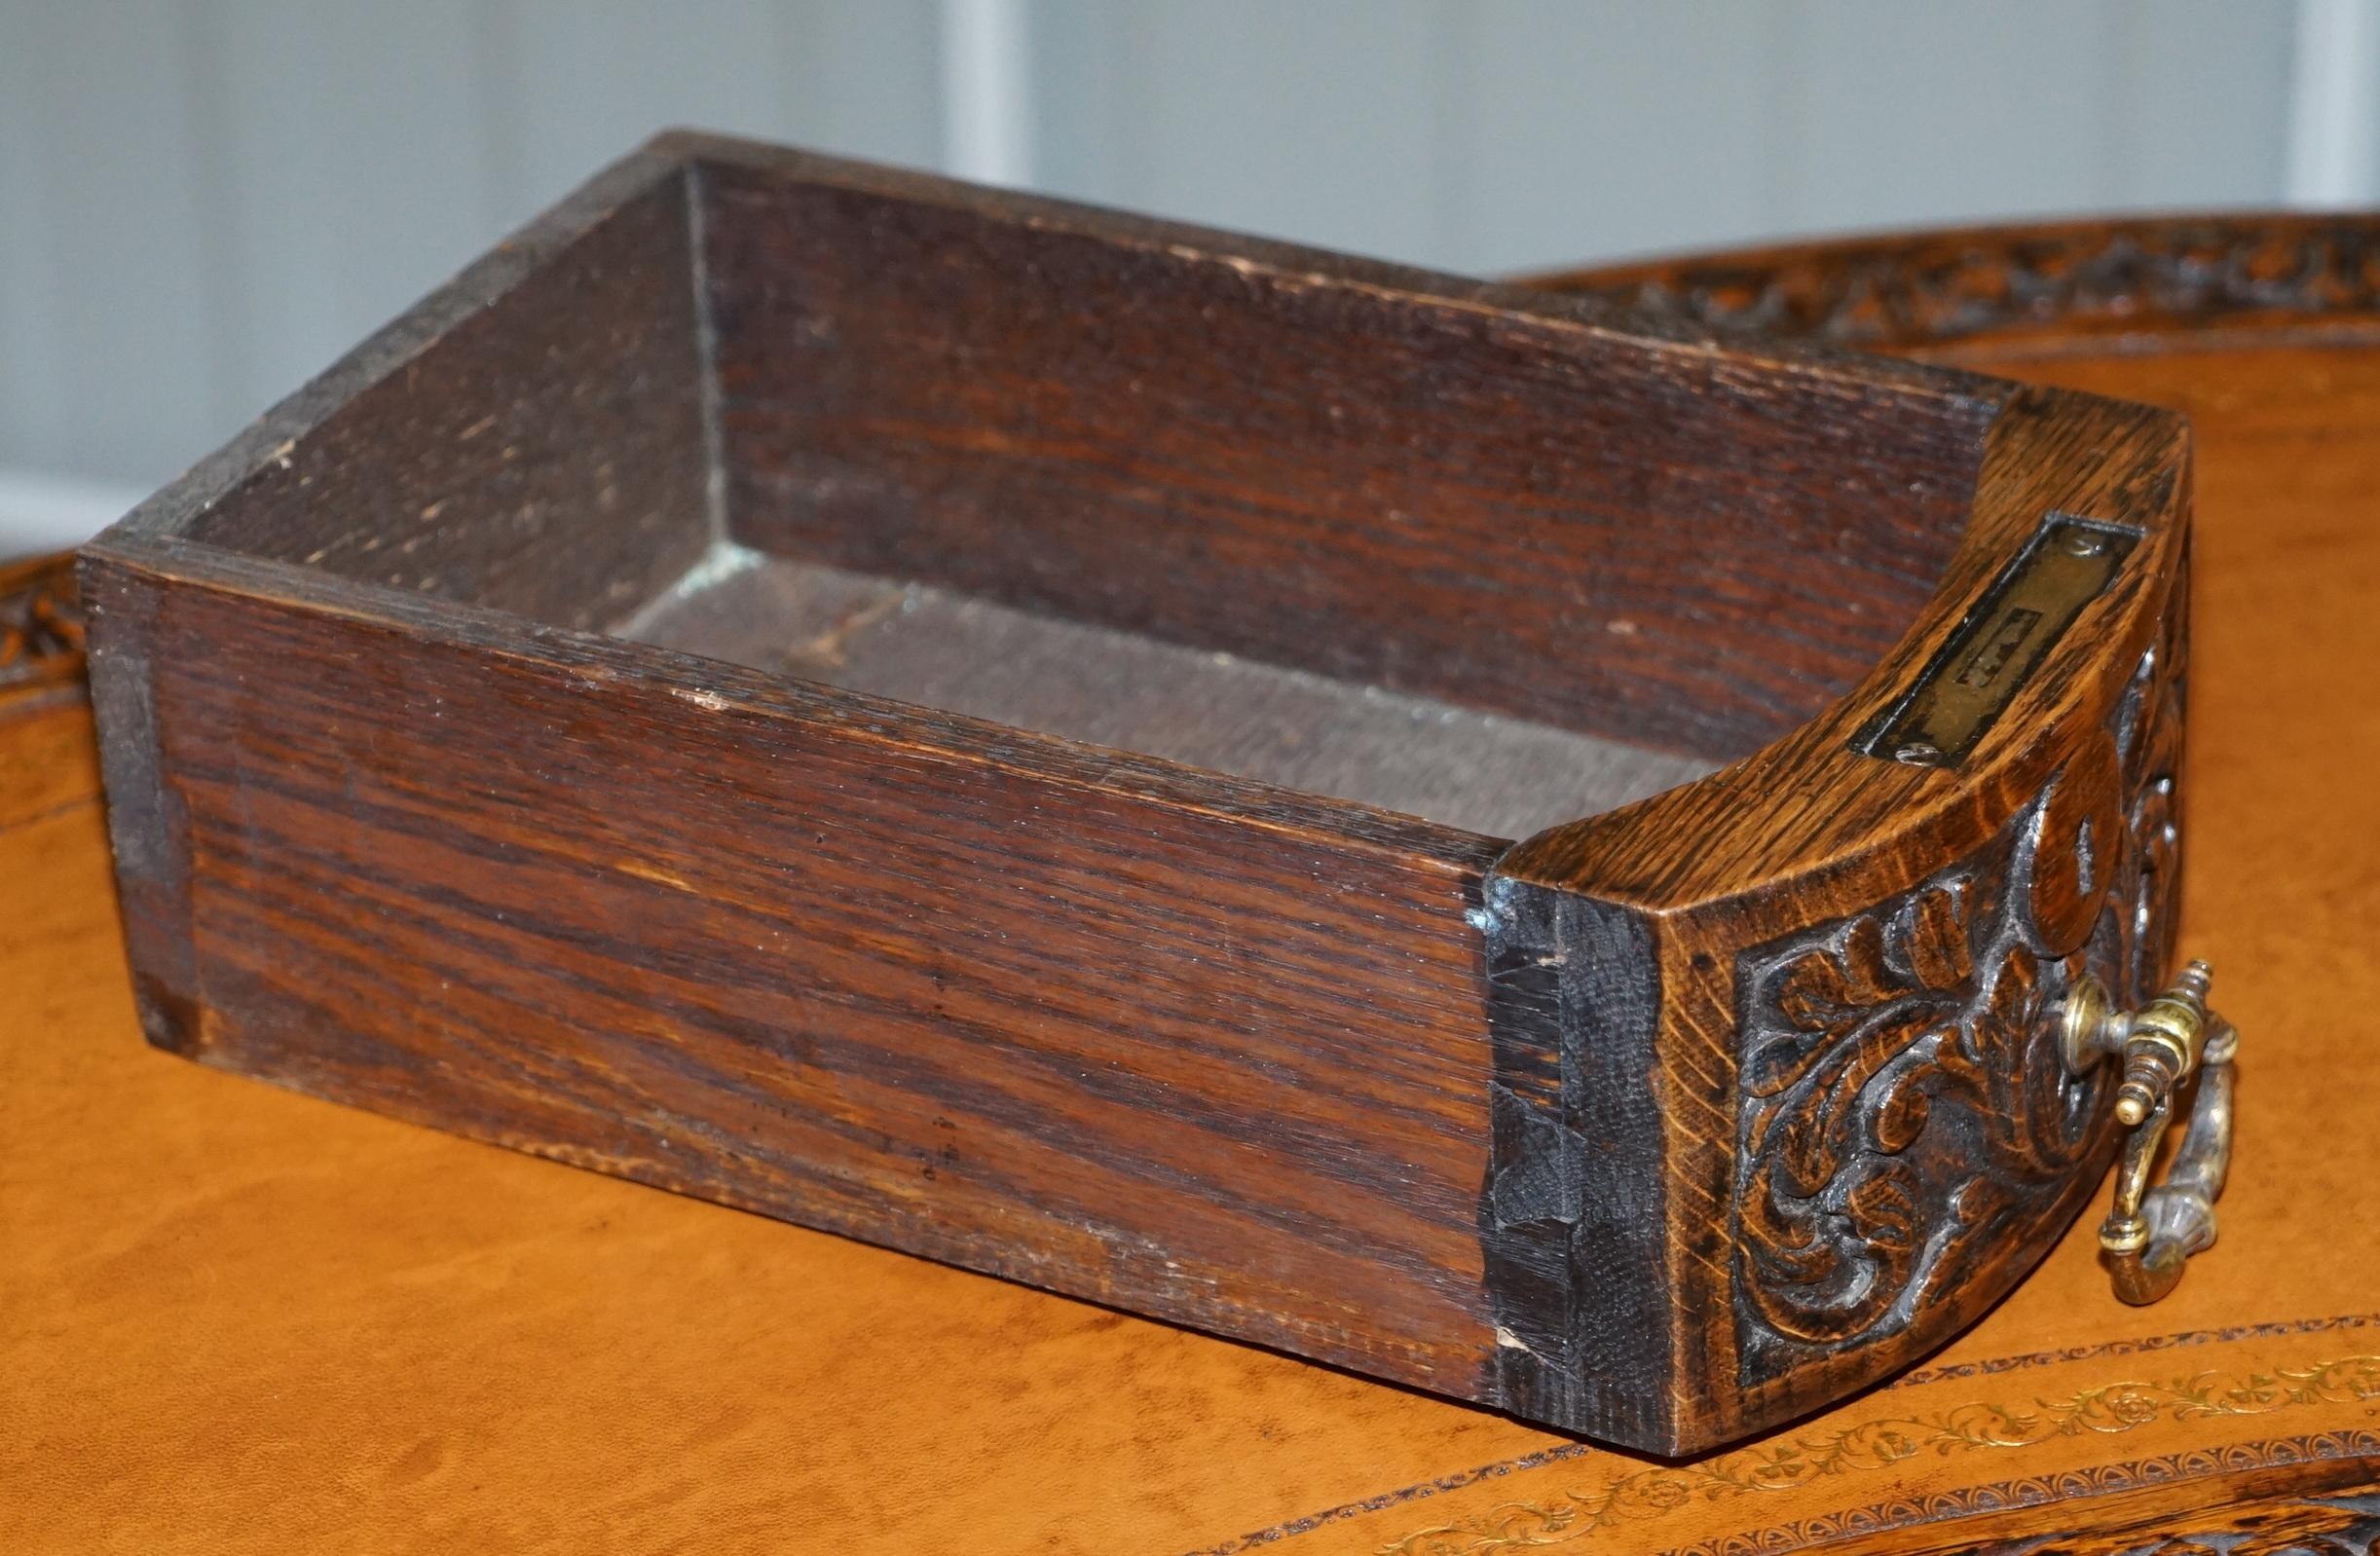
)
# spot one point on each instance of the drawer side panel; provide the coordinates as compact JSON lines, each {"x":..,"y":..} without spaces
{"x":1201,"y":1061}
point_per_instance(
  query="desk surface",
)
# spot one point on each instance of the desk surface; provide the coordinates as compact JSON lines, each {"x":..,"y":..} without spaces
{"x":232,"y":1318}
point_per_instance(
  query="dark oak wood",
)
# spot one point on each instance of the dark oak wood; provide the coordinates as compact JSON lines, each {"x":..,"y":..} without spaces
{"x":239,"y":1321}
{"x":1813,"y":843}
{"x":1407,"y":480}
{"x":406,"y":815}
{"x":555,"y":458}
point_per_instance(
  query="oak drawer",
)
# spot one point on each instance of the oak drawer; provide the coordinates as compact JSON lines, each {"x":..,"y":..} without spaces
{"x":1453,"y":831}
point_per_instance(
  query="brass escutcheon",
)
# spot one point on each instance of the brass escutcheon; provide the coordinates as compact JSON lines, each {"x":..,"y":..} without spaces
{"x":2151,"y":1231}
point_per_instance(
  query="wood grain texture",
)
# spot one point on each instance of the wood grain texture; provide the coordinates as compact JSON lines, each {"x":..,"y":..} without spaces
{"x":1904,"y":1117}
{"x":1377,"y":1091}
{"x":551,"y":402}
{"x":2345,"y":1524}
{"x":241,"y":1321}
{"x":835,"y":959}
{"x":1376,"y":474}
{"x":1792,"y":842}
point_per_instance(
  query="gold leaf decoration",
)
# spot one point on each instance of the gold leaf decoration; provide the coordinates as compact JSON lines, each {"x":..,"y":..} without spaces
{"x":2108,"y":1410}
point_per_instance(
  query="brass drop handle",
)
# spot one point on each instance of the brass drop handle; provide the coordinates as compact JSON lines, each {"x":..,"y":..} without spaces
{"x":2151,"y":1231}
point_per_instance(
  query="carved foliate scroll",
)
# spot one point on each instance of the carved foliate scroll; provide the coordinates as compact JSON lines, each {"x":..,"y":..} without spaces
{"x":1942,"y":287}
{"x":1903,"y":1115}
{"x":41,"y":623}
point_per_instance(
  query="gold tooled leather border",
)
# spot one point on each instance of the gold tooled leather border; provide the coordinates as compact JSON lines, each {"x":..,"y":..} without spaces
{"x":1784,"y":1464}
{"x":2274,"y":1451}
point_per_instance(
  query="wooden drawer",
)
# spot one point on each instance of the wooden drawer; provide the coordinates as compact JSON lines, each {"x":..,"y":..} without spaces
{"x":999,"y":729}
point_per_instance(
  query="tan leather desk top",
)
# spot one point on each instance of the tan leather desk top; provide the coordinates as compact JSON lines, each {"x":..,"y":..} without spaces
{"x":235,"y":1320}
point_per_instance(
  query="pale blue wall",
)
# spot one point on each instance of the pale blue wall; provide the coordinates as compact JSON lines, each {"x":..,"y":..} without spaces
{"x":202,"y":201}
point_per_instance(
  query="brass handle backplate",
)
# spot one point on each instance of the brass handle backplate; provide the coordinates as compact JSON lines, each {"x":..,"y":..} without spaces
{"x":2151,"y":1231}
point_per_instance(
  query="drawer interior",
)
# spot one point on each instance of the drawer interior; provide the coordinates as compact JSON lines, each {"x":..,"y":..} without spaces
{"x":1486,"y":772}
{"x":1479,"y":555}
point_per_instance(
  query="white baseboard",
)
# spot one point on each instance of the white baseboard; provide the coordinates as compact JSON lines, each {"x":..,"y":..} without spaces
{"x":44,"y":512}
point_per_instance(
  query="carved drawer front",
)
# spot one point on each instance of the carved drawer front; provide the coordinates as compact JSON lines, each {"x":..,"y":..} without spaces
{"x":1904,"y":1117}
{"x":1788,"y":1043}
